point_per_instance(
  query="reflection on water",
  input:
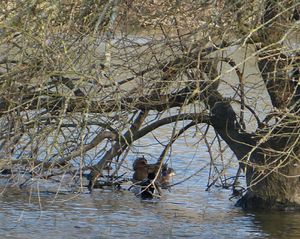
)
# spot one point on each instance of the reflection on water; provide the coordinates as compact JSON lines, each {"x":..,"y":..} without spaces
{"x":279,"y":224}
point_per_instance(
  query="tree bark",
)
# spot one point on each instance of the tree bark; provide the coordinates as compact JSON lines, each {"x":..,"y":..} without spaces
{"x":273,"y":169}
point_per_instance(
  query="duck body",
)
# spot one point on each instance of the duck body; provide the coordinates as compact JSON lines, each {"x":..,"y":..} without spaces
{"x":145,"y":173}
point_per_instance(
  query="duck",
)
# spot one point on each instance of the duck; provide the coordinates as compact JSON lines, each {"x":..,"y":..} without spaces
{"x":166,"y":177}
{"x":140,"y":167}
{"x":145,"y":173}
{"x":142,"y":178}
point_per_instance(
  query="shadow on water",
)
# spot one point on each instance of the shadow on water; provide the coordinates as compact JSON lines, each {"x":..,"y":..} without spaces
{"x":278,"y":224}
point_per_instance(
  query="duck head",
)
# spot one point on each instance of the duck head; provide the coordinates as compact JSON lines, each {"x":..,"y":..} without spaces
{"x":166,"y":176}
{"x":140,"y":167}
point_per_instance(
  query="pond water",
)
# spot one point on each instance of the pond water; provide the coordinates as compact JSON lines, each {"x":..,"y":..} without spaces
{"x":186,"y":211}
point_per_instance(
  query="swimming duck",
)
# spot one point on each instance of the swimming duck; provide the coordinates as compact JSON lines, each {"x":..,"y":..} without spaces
{"x":145,"y":173}
{"x":140,"y":167}
{"x":166,"y":177}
